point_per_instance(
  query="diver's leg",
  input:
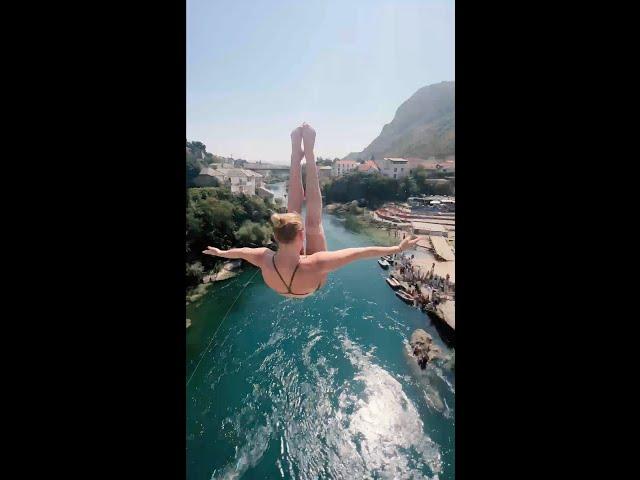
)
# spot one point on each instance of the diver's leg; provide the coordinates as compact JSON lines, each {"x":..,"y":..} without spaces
{"x":316,"y":241}
{"x":296,"y":191}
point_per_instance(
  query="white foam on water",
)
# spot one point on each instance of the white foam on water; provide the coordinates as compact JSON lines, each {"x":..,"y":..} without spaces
{"x":362,"y":427}
{"x":388,"y":424}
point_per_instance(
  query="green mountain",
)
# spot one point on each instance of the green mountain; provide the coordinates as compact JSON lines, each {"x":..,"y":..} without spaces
{"x":423,"y":126}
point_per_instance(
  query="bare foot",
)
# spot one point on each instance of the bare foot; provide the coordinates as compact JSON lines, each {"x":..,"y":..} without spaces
{"x":296,"y":142}
{"x":309,"y":137}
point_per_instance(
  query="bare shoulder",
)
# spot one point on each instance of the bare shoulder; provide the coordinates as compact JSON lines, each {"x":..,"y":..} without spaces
{"x":318,"y":260}
{"x":257,"y":256}
{"x":316,"y":257}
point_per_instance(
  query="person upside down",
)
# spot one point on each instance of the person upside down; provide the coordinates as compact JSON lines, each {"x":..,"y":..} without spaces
{"x":298,"y":268}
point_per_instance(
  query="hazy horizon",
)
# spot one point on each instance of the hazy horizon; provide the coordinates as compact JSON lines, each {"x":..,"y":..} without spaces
{"x":255,"y":70}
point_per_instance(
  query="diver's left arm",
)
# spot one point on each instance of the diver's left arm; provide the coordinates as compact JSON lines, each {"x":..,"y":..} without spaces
{"x":254,"y":256}
{"x":329,"y":261}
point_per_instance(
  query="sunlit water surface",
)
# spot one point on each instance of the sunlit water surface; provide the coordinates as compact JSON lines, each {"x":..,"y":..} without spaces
{"x":314,"y":388}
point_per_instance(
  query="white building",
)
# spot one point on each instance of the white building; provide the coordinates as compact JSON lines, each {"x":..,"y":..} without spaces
{"x":324,"y":172}
{"x":341,"y":167}
{"x":393,"y":167}
{"x":237,"y":179}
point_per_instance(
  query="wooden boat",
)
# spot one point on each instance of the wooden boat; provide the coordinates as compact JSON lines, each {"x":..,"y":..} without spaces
{"x":404,"y":296}
{"x":393,"y":283}
{"x":383,"y":263}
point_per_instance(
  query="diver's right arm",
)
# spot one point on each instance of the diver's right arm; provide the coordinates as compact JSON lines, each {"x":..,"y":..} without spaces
{"x":251,"y":255}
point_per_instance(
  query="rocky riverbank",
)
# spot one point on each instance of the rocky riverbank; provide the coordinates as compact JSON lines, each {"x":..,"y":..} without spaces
{"x":228,"y":270}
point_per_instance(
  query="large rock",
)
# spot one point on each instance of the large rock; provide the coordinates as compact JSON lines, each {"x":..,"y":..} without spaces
{"x":224,"y":274}
{"x":232,"y":265}
{"x":423,"y":348}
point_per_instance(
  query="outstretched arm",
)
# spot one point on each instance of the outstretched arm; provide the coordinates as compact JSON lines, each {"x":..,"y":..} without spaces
{"x":329,"y":261}
{"x":251,"y":255}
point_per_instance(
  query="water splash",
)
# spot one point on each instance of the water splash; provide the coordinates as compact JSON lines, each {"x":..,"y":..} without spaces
{"x":362,"y":427}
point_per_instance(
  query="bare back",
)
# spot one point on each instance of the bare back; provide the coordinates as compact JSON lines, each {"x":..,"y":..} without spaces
{"x":307,"y":277}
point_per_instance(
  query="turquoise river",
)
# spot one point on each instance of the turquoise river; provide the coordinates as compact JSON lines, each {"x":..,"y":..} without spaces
{"x":315,"y":388}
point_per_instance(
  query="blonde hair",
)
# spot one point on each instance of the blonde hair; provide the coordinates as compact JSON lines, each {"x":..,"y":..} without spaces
{"x":286,"y":226}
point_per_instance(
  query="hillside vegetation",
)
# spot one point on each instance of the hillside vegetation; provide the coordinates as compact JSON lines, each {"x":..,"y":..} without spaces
{"x":423,"y":126}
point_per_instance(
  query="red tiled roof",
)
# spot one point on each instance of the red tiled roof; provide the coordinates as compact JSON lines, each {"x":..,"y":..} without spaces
{"x":368,"y":165}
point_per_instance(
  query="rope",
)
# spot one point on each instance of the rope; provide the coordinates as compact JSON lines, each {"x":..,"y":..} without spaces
{"x":216,"y":332}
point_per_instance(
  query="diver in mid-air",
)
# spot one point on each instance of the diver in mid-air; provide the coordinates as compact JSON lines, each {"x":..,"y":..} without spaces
{"x":308,"y":263}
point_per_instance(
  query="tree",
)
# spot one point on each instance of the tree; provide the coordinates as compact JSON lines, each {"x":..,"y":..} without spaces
{"x":194,"y":273}
{"x":408,"y":187}
{"x":216,"y":217}
{"x":194,"y":165}
{"x":253,"y":234}
{"x":375,"y":189}
{"x":255,"y":208}
{"x":197,"y":146}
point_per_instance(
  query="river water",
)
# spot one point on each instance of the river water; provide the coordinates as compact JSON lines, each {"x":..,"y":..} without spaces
{"x":315,"y":388}
{"x":279,"y":190}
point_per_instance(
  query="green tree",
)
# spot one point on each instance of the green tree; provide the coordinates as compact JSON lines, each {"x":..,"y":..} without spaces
{"x":194,"y":165}
{"x":215,"y":217}
{"x":252,"y":234}
{"x":194,"y":273}
{"x":197,"y":146}
{"x":408,"y":187}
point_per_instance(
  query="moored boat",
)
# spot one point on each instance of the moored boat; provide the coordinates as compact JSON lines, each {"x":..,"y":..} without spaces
{"x":383,"y":263}
{"x":393,"y":283}
{"x":404,"y":296}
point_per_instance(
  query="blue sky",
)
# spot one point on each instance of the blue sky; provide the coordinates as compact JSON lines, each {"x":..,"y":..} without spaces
{"x":256,"y":69}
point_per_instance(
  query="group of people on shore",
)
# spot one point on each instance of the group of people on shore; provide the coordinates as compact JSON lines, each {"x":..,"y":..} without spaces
{"x":397,"y":233}
{"x":427,"y":289}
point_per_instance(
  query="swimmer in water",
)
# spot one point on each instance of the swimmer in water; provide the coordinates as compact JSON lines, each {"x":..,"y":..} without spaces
{"x":299,"y":269}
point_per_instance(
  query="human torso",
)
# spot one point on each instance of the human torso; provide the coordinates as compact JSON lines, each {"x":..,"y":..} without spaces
{"x":307,"y":278}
